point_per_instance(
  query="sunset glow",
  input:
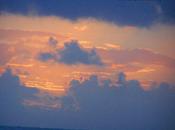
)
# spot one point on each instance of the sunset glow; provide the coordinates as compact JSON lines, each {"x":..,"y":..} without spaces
{"x":77,"y":61}
{"x":27,"y":36}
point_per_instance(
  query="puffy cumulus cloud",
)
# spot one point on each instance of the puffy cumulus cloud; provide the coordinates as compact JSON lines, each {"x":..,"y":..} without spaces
{"x":12,"y":95}
{"x":124,"y":105}
{"x":20,"y":104}
{"x":71,"y":54}
{"x":11,"y":87}
{"x":93,"y":104}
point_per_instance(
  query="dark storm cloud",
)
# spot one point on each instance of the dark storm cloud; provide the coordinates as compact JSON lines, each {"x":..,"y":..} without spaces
{"x":137,"y":13}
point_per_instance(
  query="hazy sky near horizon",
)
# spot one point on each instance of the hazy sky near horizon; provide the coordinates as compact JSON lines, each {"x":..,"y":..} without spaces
{"x":53,"y":45}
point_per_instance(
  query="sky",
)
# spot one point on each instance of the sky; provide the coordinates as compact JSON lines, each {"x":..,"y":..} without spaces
{"x":94,"y":64}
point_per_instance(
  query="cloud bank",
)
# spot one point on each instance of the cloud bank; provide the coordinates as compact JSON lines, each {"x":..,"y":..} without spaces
{"x":123,"y":106}
{"x":92,"y":104}
{"x":126,"y":13}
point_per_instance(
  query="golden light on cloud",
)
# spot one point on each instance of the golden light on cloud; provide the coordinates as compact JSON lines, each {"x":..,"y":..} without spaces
{"x":158,"y":37}
{"x":80,"y":28}
{"x":25,"y":37}
{"x":87,"y":64}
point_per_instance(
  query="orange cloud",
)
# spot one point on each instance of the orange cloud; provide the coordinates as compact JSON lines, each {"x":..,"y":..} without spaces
{"x":22,"y":38}
{"x":158,"y":37}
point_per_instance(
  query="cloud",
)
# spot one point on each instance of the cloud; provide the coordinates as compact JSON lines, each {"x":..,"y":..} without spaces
{"x":107,"y":105}
{"x":143,"y":56}
{"x":167,"y":9}
{"x":12,"y":90}
{"x":72,"y":53}
{"x":24,"y":46}
{"x":12,"y":95}
{"x":45,"y":56}
{"x":124,"y":105}
{"x":126,"y":13}
{"x":52,"y":42}
{"x":5,"y":54}
{"x":158,"y":37}
{"x":91,"y":104}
